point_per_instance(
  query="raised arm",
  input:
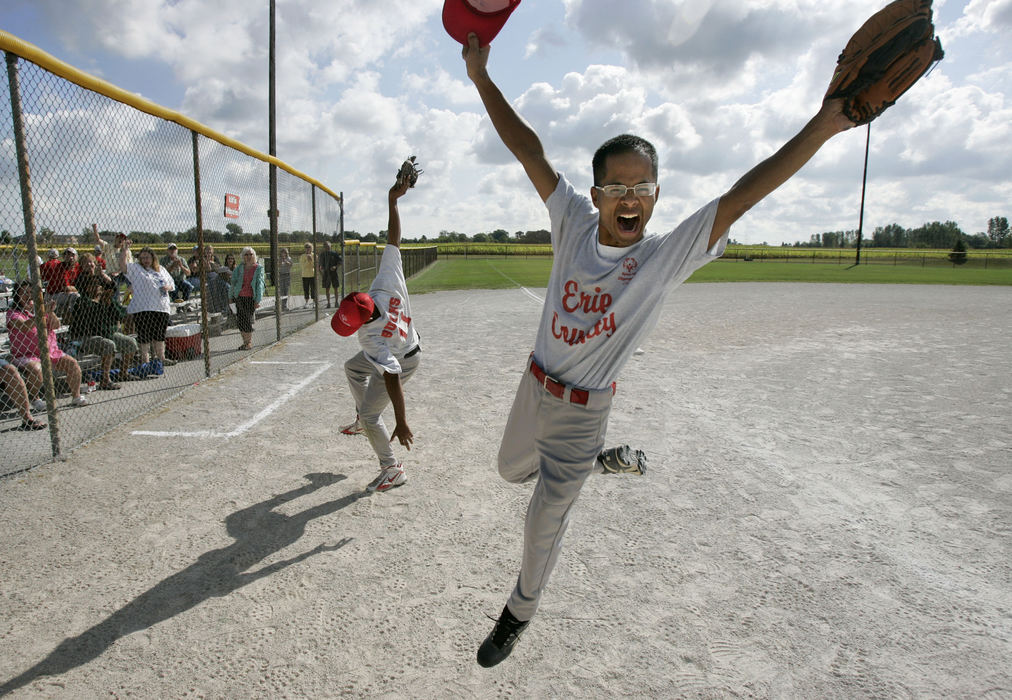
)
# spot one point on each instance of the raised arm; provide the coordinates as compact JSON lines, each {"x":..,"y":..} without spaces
{"x":394,"y":217}
{"x":121,"y":255}
{"x":779,"y":167}
{"x":516,"y":134}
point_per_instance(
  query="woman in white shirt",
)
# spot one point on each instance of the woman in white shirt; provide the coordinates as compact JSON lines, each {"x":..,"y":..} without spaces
{"x":150,"y":284}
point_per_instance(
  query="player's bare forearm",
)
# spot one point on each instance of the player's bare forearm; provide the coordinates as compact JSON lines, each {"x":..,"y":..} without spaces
{"x":393,"y":216}
{"x":768,"y":175}
{"x":515,"y":133}
{"x":402,"y":433}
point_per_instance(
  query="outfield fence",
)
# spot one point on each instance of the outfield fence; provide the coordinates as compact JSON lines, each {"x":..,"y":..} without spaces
{"x":87,"y":166}
{"x":978,"y":259}
{"x":482,"y":250}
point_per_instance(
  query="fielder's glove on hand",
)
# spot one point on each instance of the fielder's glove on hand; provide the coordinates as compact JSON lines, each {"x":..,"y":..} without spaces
{"x":884,"y":58}
{"x":409,"y":171}
{"x":623,"y":460}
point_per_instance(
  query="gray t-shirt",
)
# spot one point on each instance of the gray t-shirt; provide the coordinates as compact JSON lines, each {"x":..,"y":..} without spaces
{"x":603,"y":300}
{"x":387,"y":339}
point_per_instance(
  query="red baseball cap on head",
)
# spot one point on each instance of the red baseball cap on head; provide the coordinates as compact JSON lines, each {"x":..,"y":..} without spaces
{"x":483,"y":17}
{"x":354,"y":310}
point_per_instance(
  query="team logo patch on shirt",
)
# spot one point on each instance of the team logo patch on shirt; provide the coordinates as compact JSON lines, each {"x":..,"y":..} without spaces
{"x":629,"y":267}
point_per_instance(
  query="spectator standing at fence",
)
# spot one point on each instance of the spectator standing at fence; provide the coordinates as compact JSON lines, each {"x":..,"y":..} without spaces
{"x":88,"y":266}
{"x":330,"y":271}
{"x":179,"y":271}
{"x":390,"y":351}
{"x":246,"y":291}
{"x":99,"y":258}
{"x":14,"y":386}
{"x":95,"y":324}
{"x":149,"y":305}
{"x":284,"y":276}
{"x":230,"y":261}
{"x":308,"y":266}
{"x":25,"y":350}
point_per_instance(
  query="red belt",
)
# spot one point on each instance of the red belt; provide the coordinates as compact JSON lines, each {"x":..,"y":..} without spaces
{"x":558,"y":389}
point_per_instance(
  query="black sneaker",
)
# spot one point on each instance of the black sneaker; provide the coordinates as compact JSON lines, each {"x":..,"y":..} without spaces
{"x":623,"y":460}
{"x":498,"y":645}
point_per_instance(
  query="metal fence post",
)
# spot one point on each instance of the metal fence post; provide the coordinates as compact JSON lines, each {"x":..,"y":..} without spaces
{"x":340,"y":229}
{"x":316,"y":260}
{"x":28,"y":211}
{"x":202,"y":259}
{"x":316,"y":269}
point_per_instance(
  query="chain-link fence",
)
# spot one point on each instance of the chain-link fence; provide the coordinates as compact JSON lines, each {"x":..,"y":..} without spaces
{"x":139,"y":247}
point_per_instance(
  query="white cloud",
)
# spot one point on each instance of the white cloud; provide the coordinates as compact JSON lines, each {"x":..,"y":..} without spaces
{"x":985,"y":16}
{"x":440,"y":84}
{"x":544,"y":40}
{"x":717,"y":85}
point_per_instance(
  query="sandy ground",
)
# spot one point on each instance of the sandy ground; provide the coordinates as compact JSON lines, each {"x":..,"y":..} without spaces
{"x":827,"y":514}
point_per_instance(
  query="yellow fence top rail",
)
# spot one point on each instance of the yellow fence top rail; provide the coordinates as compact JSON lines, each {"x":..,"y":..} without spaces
{"x":30,"y":52}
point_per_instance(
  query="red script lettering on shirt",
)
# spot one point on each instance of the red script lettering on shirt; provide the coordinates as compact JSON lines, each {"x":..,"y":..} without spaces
{"x":576,"y":300}
{"x":394,"y":313}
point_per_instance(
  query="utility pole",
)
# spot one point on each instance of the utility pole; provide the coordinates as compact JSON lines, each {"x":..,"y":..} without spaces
{"x":864,"y":181}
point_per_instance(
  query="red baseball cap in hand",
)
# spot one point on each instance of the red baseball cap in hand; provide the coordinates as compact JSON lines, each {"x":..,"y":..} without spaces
{"x":355,"y":309}
{"x":483,"y":17}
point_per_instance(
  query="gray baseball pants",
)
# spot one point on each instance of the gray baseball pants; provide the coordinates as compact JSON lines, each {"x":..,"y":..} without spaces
{"x":371,"y":398}
{"x":557,"y":441}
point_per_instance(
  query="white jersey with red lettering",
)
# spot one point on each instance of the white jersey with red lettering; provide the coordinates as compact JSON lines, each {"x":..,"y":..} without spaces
{"x":386,"y":340}
{"x":602,"y":300}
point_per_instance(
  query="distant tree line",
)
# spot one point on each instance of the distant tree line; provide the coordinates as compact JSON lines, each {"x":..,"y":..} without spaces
{"x":935,"y":235}
{"x":931,"y":235}
{"x":497,"y":236}
{"x":233,"y":233}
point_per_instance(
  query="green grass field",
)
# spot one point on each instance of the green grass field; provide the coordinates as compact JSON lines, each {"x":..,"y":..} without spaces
{"x":482,"y":273}
{"x":509,"y":272}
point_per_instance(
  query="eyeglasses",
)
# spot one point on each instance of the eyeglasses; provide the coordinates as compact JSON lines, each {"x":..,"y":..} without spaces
{"x":644,"y":189}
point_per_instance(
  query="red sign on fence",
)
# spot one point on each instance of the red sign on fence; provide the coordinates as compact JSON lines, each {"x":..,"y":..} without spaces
{"x":232,"y":206}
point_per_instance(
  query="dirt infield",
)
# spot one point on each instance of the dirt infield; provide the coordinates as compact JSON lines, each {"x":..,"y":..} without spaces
{"x":827,"y":514}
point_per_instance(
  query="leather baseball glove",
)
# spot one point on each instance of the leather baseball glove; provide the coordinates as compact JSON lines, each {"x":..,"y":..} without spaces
{"x":884,"y":58}
{"x":409,"y":171}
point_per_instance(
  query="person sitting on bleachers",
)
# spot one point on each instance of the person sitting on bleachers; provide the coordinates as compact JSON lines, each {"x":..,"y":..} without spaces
{"x":179,"y":271}
{"x":95,"y":324}
{"x":14,"y":386}
{"x":208,"y":265}
{"x":50,"y":269}
{"x":87,"y":266}
{"x":218,"y":284}
{"x":60,"y":287}
{"x":25,"y":350}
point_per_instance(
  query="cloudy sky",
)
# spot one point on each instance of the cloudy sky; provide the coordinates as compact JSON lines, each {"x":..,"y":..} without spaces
{"x":717,"y":85}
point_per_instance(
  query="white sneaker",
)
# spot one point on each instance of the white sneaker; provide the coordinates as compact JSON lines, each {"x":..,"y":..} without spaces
{"x":388,"y":478}
{"x":79,"y":401}
{"x":39,"y":406}
{"x":353,"y":428}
